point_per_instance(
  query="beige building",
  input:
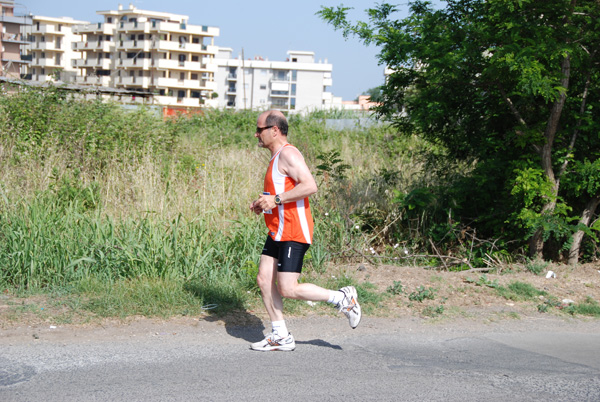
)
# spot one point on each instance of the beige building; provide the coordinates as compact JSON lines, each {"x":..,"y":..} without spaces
{"x":150,"y":51}
{"x":14,"y":37}
{"x":52,"y":43}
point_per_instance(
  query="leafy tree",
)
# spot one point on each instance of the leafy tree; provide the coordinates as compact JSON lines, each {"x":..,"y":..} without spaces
{"x":374,"y":94}
{"x":509,"y":85}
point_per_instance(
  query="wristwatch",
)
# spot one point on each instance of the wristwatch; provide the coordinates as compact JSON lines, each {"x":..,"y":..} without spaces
{"x":277,"y":199}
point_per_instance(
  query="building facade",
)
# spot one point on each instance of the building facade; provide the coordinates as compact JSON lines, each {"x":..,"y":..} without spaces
{"x":14,"y":28}
{"x":151,"y":52}
{"x":52,"y":49}
{"x":297,"y":85}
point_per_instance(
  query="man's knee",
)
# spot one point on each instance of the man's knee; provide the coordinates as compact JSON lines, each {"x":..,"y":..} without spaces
{"x":287,"y":290}
{"x":263,"y":281}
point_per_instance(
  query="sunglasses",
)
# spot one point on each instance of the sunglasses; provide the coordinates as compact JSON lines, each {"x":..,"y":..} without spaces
{"x":259,"y":130}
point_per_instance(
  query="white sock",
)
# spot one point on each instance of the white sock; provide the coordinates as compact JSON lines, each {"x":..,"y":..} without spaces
{"x":335,"y":297}
{"x":280,"y":328}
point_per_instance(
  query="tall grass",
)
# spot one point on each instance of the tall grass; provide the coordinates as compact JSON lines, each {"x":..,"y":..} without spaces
{"x":91,"y":193}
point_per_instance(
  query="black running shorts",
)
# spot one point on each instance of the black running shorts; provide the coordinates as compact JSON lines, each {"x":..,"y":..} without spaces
{"x":289,"y":254}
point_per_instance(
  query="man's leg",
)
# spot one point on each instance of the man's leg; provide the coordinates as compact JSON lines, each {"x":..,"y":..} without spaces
{"x":267,"y":282}
{"x":279,"y":338}
{"x":289,"y":287}
{"x":345,"y":298}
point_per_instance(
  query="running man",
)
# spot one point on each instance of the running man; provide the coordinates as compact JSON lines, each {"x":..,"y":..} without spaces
{"x":284,"y":204}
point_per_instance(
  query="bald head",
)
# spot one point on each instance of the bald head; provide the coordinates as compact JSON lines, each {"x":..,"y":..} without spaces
{"x":276,"y":118}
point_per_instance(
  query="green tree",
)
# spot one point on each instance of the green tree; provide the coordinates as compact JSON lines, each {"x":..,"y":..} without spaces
{"x":509,"y":85}
{"x":374,"y":94}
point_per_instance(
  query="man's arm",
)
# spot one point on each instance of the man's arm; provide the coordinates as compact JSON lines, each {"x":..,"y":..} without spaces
{"x":292,"y":164}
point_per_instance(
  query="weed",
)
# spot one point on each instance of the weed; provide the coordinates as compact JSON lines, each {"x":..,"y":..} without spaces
{"x":483,"y":281}
{"x":431,"y":311}
{"x":537,"y":267}
{"x":589,"y":307}
{"x":421,"y":294}
{"x":519,"y":291}
{"x":396,"y":289}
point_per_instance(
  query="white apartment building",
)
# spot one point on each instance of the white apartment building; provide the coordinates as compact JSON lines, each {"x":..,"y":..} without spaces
{"x":51,"y":49}
{"x":150,"y":51}
{"x":297,"y":85}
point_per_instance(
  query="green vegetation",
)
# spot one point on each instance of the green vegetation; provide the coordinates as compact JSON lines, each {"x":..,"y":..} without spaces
{"x":121,"y":212}
{"x":509,"y":91}
{"x":110,"y":212}
{"x":520,"y":291}
{"x":421,"y":294}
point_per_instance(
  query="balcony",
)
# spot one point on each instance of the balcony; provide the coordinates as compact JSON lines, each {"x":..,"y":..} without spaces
{"x":16,"y":19}
{"x":327,"y":82}
{"x":232,"y":77}
{"x":95,"y":46}
{"x":144,"y":45}
{"x":98,"y":29}
{"x":185,"y":84}
{"x":45,"y":62}
{"x":171,"y":45}
{"x":102,"y":64}
{"x":143,"y":82}
{"x":185,"y":65}
{"x":173,"y":27}
{"x":47,"y":46}
{"x":104,"y":80}
{"x":134,"y":26}
{"x":135,"y":63}
{"x":46,"y":29}
{"x":14,"y":38}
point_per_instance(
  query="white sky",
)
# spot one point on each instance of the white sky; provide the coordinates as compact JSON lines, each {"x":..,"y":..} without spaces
{"x":264,"y":28}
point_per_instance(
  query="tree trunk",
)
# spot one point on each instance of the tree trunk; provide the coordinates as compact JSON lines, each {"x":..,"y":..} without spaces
{"x":586,"y":216}
{"x":536,"y":243}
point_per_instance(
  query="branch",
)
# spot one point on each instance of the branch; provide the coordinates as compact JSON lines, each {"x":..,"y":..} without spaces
{"x":578,"y":125}
{"x":518,"y":116}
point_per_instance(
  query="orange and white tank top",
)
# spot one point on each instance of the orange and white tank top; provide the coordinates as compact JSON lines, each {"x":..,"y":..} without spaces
{"x":291,"y":221}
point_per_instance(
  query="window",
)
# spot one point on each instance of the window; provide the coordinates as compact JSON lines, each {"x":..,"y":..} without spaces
{"x":294,"y":75}
{"x":181,"y":76}
{"x":194,"y":76}
{"x":109,"y":20}
{"x":195,"y":58}
{"x":263,"y":86}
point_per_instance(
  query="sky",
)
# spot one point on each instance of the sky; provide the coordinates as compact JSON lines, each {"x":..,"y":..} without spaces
{"x":264,"y":28}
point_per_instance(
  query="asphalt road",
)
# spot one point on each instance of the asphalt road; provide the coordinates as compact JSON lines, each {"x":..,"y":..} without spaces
{"x":531,"y":359}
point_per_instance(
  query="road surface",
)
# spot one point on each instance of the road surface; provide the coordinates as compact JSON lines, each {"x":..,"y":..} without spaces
{"x":528,"y":359}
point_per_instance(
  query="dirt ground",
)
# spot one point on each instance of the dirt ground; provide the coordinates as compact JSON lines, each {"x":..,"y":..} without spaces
{"x":462,"y":297}
{"x":474,"y":293}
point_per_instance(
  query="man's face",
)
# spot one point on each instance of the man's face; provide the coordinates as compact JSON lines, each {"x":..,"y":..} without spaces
{"x":262,"y":132}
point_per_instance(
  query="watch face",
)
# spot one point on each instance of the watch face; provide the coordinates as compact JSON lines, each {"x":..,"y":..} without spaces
{"x":277,"y":200}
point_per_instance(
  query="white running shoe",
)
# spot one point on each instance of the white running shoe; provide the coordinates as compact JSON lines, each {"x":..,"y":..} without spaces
{"x":275,"y":342}
{"x":349,"y":305}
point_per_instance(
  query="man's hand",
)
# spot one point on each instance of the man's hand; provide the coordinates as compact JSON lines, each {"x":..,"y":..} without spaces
{"x":265,"y":202}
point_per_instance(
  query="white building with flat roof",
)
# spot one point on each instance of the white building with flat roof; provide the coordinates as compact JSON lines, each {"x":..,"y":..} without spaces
{"x":150,"y":51}
{"x":51,"y":49}
{"x":296,"y":85}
